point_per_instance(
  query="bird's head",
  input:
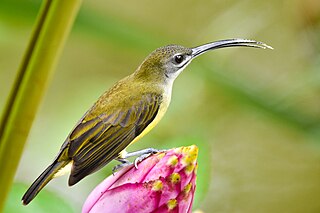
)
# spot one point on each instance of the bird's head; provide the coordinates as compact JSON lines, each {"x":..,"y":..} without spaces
{"x":169,"y":61}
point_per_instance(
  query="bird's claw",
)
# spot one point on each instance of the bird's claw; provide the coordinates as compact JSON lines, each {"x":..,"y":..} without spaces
{"x":141,"y":158}
{"x":144,"y":156}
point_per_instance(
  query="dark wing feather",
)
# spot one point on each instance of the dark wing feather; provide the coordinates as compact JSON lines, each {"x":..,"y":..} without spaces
{"x":96,"y":142}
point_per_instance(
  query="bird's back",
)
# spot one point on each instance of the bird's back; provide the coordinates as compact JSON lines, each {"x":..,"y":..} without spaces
{"x":122,"y":115}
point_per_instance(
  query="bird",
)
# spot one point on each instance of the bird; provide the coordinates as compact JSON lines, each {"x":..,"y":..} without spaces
{"x":124,"y":114}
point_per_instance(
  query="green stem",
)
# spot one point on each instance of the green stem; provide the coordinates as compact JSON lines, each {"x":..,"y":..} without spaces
{"x":52,"y":28}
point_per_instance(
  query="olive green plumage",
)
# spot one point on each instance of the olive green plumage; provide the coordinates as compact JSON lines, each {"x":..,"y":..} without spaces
{"x":106,"y":129}
{"x":124,"y":113}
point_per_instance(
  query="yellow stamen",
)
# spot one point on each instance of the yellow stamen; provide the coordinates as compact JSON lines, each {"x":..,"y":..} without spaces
{"x":175,"y":178}
{"x":187,"y":188}
{"x":157,"y":185}
{"x":161,"y":155}
{"x":189,"y":168}
{"x":172,"y":161}
{"x":172,"y":203}
{"x":190,"y":154}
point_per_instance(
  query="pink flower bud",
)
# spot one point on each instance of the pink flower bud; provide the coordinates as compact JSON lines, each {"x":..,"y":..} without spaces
{"x":164,"y":182}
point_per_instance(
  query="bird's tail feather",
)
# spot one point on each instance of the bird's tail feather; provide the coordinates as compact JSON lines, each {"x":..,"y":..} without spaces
{"x":42,"y":180}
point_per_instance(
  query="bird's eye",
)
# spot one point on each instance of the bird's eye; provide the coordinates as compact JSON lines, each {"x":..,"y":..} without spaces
{"x":178,"y":59}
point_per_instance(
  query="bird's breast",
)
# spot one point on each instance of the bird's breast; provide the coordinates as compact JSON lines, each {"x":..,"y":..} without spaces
{"x":162,"y":110}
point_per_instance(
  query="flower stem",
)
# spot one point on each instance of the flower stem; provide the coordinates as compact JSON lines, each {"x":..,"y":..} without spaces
{"x":51,"y":30}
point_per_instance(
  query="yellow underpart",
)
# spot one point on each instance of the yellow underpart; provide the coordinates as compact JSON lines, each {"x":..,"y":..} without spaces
{"x":175,"y":178}
{"x":172,"y":203}
{"x":123,"y":153}
{"x":64,"y":170}
{"x":157,"y":185}
{"x":162,"y":110}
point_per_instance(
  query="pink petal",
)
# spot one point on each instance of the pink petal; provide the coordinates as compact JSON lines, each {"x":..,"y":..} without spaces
{"x":184,"y":200}
{"x":164,"y":209}
{"x":128,"y":198}
{"x":169,"y":191}
{"x":164,"y":182}
{"x":137,"y":175}
{"x":101,"y":188}
{"x":128,"y":174}
{"x":161,"y":169}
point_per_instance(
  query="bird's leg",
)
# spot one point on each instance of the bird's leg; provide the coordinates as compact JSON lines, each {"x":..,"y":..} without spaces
{"x":142,"y":154}
{"x":124,"y":162}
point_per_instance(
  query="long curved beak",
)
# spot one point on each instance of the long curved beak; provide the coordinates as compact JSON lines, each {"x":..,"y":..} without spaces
{"x":238,"y":42}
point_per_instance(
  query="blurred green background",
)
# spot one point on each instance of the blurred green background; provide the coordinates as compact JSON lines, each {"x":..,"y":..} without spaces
{"x":255,"y":114}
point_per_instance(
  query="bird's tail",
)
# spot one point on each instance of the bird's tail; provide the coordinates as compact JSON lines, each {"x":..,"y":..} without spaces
{"x":42,"y":180}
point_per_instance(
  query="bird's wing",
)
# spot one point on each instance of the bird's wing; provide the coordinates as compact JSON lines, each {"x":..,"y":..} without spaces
{"x":94,"y":143}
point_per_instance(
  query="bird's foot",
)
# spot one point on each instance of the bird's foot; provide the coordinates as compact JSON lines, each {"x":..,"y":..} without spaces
{"x":124,"y":163}
{"x":142,"y":154}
